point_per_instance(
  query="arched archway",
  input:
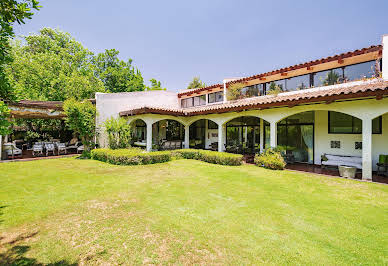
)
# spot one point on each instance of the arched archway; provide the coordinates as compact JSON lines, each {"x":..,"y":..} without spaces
{"x":139,"y":133}
{"x":243,"y":135}
{"x":167,"y":134}
{"x":203,"y":134}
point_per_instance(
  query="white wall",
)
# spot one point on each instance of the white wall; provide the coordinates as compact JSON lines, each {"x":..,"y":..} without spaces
{"x":111,"y":104}
{"x":322,"y":140}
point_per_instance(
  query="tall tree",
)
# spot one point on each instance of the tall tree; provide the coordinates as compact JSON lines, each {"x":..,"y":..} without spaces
{"x":11,"y":11}
{"x":53,"y":66}
{"x":81,"y":118}
{"x":117,"y":75}
{"x":196,"y":83}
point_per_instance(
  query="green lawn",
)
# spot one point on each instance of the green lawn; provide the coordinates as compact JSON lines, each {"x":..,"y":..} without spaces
{"x":186,"y":212}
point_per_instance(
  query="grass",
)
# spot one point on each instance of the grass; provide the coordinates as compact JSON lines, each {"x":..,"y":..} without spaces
{"x":69,"y":211}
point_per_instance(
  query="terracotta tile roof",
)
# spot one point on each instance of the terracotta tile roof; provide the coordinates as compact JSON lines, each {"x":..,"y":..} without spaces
{"x":373,"y":48}
{"x":353,"y":90}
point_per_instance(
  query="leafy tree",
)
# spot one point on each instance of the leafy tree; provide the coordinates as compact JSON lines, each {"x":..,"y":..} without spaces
{"x":52,"y":66}
{"x":234,"y":91}
{"x":117,"y":75}
{"x":119,"y":133}
{"x":196,"y":83}
{"x":155,"y":85}
{"x":332,"y":78}
{"x":11,"y":11}
{"x":274,"y":89}
{"x":5,"y":125}
{"x":80,"y":117}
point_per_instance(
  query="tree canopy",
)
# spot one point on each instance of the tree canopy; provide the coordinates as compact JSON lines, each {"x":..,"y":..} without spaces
{"x":155,"y":85}
{"x":196,"y":83}
{"x":117,"y":75}
{"x":11,"y":11}
{"x":52,"y":65}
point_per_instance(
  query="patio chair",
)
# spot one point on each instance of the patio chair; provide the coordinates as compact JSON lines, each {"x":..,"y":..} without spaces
{"x":61,"y":147}
{"x":11,"y":150}
{"x":80,"y":149}
{"x":37,"y":149}
{"x":50,"y":147}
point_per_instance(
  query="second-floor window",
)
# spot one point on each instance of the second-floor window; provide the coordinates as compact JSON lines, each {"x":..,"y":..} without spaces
{"x":193,"y":101}
{"x":216,"y":97}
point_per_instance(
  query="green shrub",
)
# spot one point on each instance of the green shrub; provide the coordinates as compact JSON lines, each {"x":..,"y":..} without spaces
{"x":136,"y":156}
{"x":271,"y":159}
{"x":119,"y":133}
{"x":215,"y":157}
{"x":133,"y":156}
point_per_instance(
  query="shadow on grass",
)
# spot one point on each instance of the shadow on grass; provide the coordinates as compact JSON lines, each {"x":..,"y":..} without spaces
{"x":13,"y":251}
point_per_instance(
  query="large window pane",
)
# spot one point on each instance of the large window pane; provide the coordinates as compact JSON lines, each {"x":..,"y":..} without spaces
{"x":196,"y":101}
{"x":328,"y":77}
{"x":340,"y":123}
{"x":376,"y":125}
{"x":251,"y":91}
{"x":219,"y":96}
{"x":202,"y":100}
{"x":281,"y":84}
{"x":360,"y":71}
{"x":211,"y":97}
{"x":298,"y":83}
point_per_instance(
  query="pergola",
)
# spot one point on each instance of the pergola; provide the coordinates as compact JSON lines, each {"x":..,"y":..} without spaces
{"x":35,"y":109}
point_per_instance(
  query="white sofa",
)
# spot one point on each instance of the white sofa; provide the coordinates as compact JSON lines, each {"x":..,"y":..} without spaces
{"x":11,"y":150}
{"x":337,"y":160}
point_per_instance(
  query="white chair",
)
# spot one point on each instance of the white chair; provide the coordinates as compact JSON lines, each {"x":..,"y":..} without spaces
{"x":80,"y":149}
{"x":37,"y":149}
{"x":11,"y":150}
{"x":61,"y":148}
{"x":50,"y":147}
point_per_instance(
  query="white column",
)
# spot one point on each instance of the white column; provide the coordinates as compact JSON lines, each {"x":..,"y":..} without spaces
{"x":149,"y":136}
{"x":385,"y":57}
{"x":220,"y":138}
{"x":273,"y":135}
{"x":225,"y":92}
{"x":367,"y":149}
{"x":261,"y":135}
{"x":187,"y":136}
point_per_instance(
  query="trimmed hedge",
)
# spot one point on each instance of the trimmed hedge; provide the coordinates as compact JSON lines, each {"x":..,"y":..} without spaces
{"x":215,"y":157}
{"x":135,"y":156}
{"x":132,"y":156}
{"x":271,"y":159}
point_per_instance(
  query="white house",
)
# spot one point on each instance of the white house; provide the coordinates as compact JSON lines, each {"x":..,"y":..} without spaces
{"x":336,"y":105}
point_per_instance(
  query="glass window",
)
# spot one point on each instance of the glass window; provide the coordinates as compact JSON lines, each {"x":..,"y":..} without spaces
{"x":220,"y":96}
{"x":251,"y":91}
{"x":183,"y":103}
{"x":278,"y":83}
{"x":340,"y":123}
{"x":202,"y":99}
{"x":216,"y":97}
{"x":196,"y":100}
{"x":212,"y":125}
{"x":360,"y":71}
{"x":211,"y":98}
{"x":298,"y":83}
{"x":328,"y":77}
{"x":189,"y":102}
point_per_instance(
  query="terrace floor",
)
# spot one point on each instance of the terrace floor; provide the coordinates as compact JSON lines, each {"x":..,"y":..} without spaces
{"x":317,"y":169}
{"x":27,"y":156}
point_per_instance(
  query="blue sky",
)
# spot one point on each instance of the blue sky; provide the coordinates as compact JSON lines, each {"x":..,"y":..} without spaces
{"x":173,"y":41}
